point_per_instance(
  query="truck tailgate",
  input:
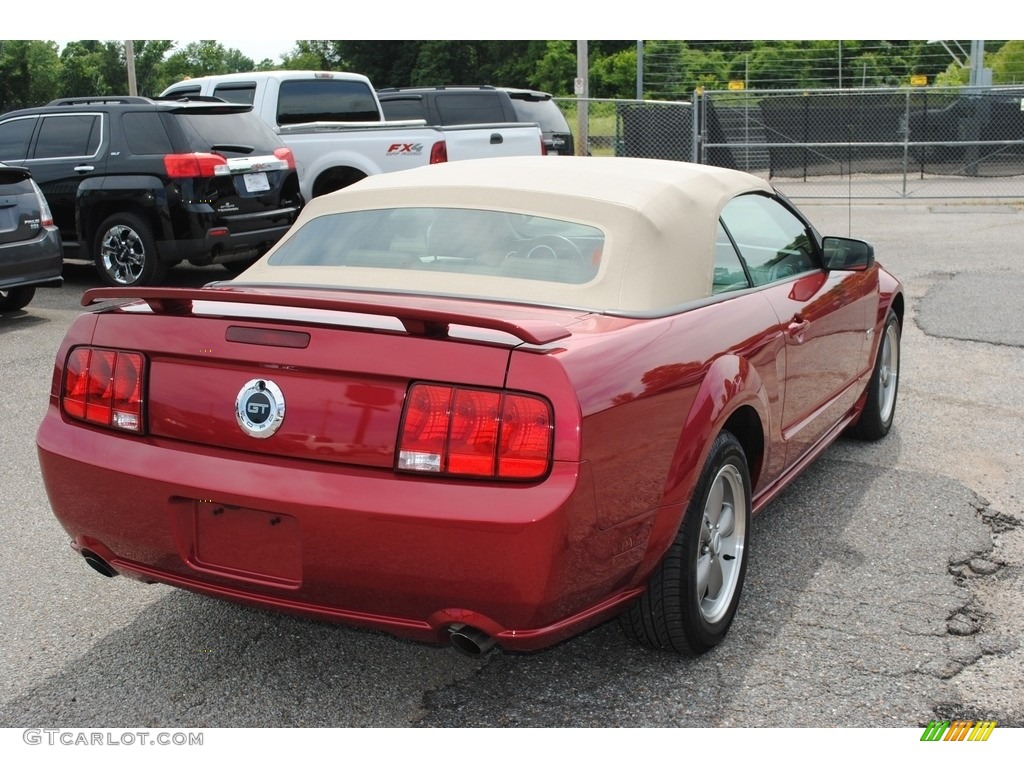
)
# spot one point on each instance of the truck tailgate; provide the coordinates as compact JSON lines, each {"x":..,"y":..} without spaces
{"x":468,"y":142}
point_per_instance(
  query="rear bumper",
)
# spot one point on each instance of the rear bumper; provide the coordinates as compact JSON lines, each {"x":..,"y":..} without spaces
{"x":34,"y":262}
{"x":210,"y":238}
{"x":525,"y":564}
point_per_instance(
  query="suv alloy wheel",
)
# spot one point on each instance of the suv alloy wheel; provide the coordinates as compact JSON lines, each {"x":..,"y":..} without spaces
{"x":126,"y":252}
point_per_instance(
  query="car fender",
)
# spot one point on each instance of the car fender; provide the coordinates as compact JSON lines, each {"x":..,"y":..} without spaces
{"x":98,"y":197}
{"x":890,"y":294}
{"x":731,"y":383}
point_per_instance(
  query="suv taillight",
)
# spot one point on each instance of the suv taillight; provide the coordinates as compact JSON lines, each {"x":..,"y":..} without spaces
{"x":195,"y":164}
{"x":104,"y":387}
{"x":483,"y":433}
{"x":283,"y":153}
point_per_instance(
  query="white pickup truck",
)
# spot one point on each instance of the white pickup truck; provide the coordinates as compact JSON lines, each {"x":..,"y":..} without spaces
{"x":335,"y":128}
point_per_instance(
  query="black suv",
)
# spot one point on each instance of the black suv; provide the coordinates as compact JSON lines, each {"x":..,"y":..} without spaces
{"x":468,"y":104}
{"x":137,"y":185}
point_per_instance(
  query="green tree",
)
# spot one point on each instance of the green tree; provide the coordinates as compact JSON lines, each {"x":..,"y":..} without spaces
{"x":100,"y":67}
{"x":441,"y":62}
{"x":509,"y":62}
{"x":388,"y":63}
{"x":614,"y":76}
{"x":150,"y":74}
{"x":29,"y":73}
{"x":398,"y":63}
{"x":313,"y":54}
{"x":555,"y":71}
{"x":1008,"y":63}
{"x":81,"y":71}
{"x":205,"y":57}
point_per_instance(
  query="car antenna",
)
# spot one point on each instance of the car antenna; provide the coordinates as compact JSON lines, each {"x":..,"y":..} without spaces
{"x":849,"y":181}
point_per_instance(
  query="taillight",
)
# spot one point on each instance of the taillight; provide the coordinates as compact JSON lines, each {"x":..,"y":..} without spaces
{"x":201,"y":164}
{"x":283,"y":153}
{"x":45,"y":217}
{"x":104,"y":387}
{"x":485,"y":433}
{"x":439,"y":153}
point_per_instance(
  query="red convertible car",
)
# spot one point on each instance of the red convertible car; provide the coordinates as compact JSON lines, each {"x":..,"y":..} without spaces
{"x":488,"y":402}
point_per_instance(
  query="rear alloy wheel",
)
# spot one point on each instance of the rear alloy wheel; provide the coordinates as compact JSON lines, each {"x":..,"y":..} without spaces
{"x":125,"y":252}
{"x":16,"y":298}
{"x":692,"y":596}
{"x":880,"y":407}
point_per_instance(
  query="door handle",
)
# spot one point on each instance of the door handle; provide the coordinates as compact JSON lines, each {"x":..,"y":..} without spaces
{"x":497,"y":138}
{"x":796,"y":328}
{"x":84,"y":168}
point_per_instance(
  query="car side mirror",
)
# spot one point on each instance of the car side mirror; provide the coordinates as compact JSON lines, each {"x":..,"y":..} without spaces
{"x":847,"y":253}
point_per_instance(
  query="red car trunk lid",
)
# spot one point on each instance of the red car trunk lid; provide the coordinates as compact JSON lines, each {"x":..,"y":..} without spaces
{"x":342,"y":375}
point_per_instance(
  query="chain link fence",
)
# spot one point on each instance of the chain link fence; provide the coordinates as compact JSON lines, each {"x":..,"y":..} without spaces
{"x":870,"y":143}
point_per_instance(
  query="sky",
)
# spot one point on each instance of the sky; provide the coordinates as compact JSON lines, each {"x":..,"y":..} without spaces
{"x":257,"y":49}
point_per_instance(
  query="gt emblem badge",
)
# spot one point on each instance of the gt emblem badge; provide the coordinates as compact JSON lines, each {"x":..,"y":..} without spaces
{"x":259,"y":408}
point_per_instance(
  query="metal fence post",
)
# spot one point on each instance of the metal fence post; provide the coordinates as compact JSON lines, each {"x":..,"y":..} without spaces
{"x":906,"y":143}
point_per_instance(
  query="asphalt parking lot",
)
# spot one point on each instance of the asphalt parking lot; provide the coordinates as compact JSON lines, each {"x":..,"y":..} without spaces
{"x":883,"y":587}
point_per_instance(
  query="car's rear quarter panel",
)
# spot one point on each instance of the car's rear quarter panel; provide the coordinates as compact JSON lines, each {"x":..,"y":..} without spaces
{"x":652,"y":395}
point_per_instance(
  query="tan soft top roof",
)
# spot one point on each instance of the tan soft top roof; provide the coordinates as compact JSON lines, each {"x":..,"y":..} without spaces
{"x":659,"y":218}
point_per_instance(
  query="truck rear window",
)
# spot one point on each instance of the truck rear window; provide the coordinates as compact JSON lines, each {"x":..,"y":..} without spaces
{"x":311,"y":101}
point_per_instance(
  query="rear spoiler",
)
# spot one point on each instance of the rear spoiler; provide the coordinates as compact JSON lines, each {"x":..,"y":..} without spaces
{"x":431,"y":318}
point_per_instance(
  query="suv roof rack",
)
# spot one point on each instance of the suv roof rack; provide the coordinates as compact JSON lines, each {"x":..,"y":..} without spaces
{"x":399,"y":89}
{"x":99,"y":100}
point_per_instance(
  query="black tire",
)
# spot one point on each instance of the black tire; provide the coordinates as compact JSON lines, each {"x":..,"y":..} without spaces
{"x":125,"y":252}
{"x":16,"y":298}
{"x":876,"y":419}
{"x":692,"y":597}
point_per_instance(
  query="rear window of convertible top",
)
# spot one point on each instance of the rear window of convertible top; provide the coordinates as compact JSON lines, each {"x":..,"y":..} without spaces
{"x":466,"y":241}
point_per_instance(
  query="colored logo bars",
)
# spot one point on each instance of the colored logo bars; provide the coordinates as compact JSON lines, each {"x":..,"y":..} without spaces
{"x":958,"y":730}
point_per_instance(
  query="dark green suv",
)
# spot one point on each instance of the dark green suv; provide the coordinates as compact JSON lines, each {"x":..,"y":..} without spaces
{"x":137,"y":185}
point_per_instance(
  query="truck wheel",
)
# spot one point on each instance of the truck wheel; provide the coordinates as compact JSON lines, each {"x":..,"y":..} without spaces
{"x":125,"y":252}
{"x":16,"y":298}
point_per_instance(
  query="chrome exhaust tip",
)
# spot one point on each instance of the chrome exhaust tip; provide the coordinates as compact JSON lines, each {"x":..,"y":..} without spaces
{"x":470,"y":640}
{"x":98,"y":564}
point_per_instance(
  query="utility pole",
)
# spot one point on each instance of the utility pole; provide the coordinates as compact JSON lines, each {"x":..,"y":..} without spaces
{"x":129,"y":57}
{"x":840,"y":64}
{"x":979,"y":75}
{"x":582,"y":90}
{"x":639,"y":70}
